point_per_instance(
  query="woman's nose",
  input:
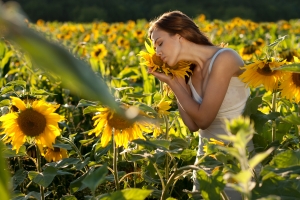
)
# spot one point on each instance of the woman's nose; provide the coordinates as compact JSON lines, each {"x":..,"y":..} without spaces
{"x":158,"y":53}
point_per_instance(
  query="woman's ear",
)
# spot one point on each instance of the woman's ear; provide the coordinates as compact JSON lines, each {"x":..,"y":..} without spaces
{"x":179,"y":36}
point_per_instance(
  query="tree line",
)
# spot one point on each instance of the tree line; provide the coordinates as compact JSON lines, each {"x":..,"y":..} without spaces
{"x":124,"y":10}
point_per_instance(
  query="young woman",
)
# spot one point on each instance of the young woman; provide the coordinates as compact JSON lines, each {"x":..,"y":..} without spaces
{"x":213,"y":91}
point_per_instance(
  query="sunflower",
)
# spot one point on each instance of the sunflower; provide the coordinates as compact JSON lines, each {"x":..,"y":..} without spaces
{"x":36,"y":122}
{"x":211,"y":147}
{"x":162,"y":107}
{"x":108,"y":121}
{"x":150,"y":59}
{"x":56,"y":154}
{"x":99,"y":51}
{"x":261,"y":72}
{"x":290,"y":84}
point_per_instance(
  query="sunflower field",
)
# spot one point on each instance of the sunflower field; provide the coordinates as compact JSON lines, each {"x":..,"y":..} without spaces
{"x":81,"y":118}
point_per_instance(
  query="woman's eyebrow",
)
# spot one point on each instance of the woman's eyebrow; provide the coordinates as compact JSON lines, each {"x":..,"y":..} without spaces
{"x":156,"y":40}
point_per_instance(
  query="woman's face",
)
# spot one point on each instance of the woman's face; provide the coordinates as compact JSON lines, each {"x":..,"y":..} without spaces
{"x":167,"y":46}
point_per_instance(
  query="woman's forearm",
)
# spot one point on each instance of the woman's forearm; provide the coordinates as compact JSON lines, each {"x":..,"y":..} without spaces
{"x":186,"y":119}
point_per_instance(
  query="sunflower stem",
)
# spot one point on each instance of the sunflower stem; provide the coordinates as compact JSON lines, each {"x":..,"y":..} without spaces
{"x":39,"y":168}
{"x":64,"y":139}
{"x":274,"y":98}
{"x":167,"y":158}
{"x":134,"y":175}
{"x":298,"y":115}
{"x":115,"y":164}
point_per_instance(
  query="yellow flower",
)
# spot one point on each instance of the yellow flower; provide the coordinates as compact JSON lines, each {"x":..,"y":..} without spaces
{"x":108,"y":122}
{"x":36,"y":121}
{"x":150,"y":59}
{"x":157,"y":131}
{"x":261,"y":73}
{"x":56,"y":154}
{"x":291,"y":85}
{"x":216,"y":142}
{"x":99,"y":51}
{"x":122,"y":42}
{"x":162,"y":107}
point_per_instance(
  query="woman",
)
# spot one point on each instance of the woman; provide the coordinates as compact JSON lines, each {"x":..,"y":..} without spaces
{"x":213,"y":91}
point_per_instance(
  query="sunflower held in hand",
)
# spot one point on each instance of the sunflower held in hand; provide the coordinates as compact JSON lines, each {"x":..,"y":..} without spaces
{"x":150,"y":59}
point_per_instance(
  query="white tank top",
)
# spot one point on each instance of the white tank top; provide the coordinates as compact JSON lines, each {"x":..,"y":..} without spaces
{"x":233,"y":104}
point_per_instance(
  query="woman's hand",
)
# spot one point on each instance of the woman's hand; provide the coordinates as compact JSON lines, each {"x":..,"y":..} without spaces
{"x":160,"y":76}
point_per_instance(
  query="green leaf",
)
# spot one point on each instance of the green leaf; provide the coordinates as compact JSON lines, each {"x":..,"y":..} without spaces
{"x":187,"y":154}
{"x":286,"y":159}
{"x":127,"y":194}
{"x":41,"y":92}
{"x":294,"y":67}
{"x":178,"y":143}
{"x":6,"y":59}
{"x":18,"y":178}
{"x":285,"y":189}
{"x":206,"y":182}
{"x":111,"y":177}
{"x":259,"y":157}
{"x":154,"y":144}
{"x":292,"y":118}
{"x":84,"y":103}
{"x":4,"y":102}
{"x":252,"y":106}
{"x":43,"y":178}
{"x":9,"y":153}
{"x":90,"y":109}
{"x":66,"y":162}
{"x":68,"y":197}
{"x":95,"y":177}
{"x":260,"y":119}
{"x":76,"y":74}
{"x":77,"y":185}
{"x":4,"y":176}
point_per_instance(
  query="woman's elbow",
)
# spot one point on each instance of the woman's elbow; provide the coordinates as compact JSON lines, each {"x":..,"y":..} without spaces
{"x":193,"y":129}
{"x":203,"y":125}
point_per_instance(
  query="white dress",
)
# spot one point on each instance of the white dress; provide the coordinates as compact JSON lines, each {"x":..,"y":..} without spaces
{"x":232,"y":106}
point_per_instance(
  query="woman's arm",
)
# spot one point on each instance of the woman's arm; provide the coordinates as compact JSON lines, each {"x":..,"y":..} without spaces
{"x":226,"y":65}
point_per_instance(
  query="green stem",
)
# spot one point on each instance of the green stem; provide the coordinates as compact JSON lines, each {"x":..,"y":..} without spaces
{"x":134,"y":175}
{"x":64,"y":139}
{"x":39,"y":168}
{"x":165,"y":189}
{"x":115,"y":164}
{"x":160,"y":176}
{"x":167,"y":158}
{"x":274,"y":98}
{"x":126,"y":175}
{"x":298,"y":126}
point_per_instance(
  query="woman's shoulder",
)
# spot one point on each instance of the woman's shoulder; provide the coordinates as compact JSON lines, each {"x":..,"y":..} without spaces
{"x":227,"y":60}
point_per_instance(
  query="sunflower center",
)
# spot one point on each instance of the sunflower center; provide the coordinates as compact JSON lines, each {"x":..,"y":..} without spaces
{"x":157,"y":60}
{"x":31,"y":122}
{"x":296,"y":79}
{"x":118,"y":122}
{"x":56,"y":149}
{"x":98,"y":52}
{"x":266,"y":70}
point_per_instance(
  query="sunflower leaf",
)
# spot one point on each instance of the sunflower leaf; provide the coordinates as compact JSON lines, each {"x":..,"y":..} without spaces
{"x":95,"y":177}
{"x":294,"y":67}
{"x":75,"y":73}
{"x":292,"y":119}
{"x":126,"y":194}
{"x":44,"y":178}
{"x":4,"y":176}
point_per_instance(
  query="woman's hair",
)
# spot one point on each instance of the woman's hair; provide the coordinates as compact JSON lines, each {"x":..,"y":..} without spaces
{"x":176,"y":22}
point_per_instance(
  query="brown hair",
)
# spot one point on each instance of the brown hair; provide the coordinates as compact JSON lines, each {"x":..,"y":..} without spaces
{"x":176,"y":22}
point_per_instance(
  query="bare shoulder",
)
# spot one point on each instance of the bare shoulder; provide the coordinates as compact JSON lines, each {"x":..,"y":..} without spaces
{"x":228,"y":62}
